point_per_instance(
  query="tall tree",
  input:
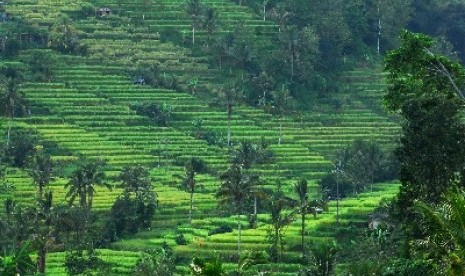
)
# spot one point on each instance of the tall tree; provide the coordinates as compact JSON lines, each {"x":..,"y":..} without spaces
{"x":279,"y":219}
{"x":12,"y":100}
{"x":40,"y":170}
{"x":280,"y":104}
{"x":427,"y":90}
{"x":236,"y":191}
{"x":210,"y":22}
{"x":230,"y":96}
{"x":83,"y":182}
{"x":194,"y":9}
{"x":136,"y":180}
{"x":44,"y":232}
{"x":301,"y":189}
{"x":192,"y":166}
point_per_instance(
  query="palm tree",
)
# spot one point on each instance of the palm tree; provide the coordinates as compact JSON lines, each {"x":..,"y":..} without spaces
{"x":280,"y":103}
{"x":250,"y":259}
{"x":45,"y":213}
{"x":189,"y":184}
{"x":444,"y":231}
{"x":83,"y":182}
{"x":278,"y":203}
{"x":301,"y":189}
{"x":210,"y":22}
{"x":18,"y":263}
{"x":13,"y":101}
{"x":194,"y":10}
{"x":230,"y":96}
{"x":192,"y":166}
{"x":41,"y":171}
{"x":245,"y":155}
{"x":236,"y":191}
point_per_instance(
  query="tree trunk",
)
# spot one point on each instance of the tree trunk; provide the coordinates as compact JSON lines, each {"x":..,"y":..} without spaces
{"x":191,"y":206}
{"x":83,"y":200}
{"x":159,"y":153}
{"x":255,"y":206}
{"x":264,"y":10}
{"x":193,"y":36}
{"x":239,"y":234}
{"x":41,"y":190}
{"x":8,"y":133}
{"x":292,"y":65}
{"x":379,"y":30}
{"x":41,"y":257}
{"x":166,"y":156}
{"x":229,"y":128}
{"x":303,"y":234}
{"x":337,"y":199}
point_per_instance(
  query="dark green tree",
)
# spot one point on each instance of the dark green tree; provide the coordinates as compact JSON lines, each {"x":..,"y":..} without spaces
{"x":235,"y":192}
{"x":158,"y":113}
{"x":230,"y":96}
{"x":194,"y":9}
{"x":44,"y":231}
{"x":22,"y":145}
{"x":323,"y":258}
{"x":192,"y":166}
{"x":157,"y":263}
{"x":83,"y":182}
{"x":64,"y":37}
{"x":279,"y":219}
{"x":12,"y":101}
{"x":210,"y":22}
{"x":207,"y":266}
{"x":301,"y":189}
{"x":17,"y":263}
{"x":427,"y":91}
{"x":443,"y":238}
{"x":40,"y":170}
{"x":135,"y":180}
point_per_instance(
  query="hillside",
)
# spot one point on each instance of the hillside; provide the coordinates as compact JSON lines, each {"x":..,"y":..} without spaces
{"x":83,"y":110}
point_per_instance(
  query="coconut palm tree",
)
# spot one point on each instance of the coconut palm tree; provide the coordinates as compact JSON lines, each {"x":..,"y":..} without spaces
{"x":192,"y":166}
{"x":301,"y":189}
{"x":43,"y":239}
{"x":13,"y":101}
{"x":235,"y":191}
{"x":40,"y":171}
{"x":194,"y":10}
{"x":230,"y":96}
{"x":83,"y":182}
{"x":278,"y":219}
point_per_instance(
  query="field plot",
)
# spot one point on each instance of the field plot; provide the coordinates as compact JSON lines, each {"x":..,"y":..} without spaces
{"x":84,"y":111}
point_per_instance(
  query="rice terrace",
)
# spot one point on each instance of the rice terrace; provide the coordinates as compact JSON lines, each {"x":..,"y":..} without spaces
{"x":232,"y":137}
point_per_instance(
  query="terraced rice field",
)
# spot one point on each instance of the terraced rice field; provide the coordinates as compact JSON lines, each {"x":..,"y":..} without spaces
{"x":87,"y":113}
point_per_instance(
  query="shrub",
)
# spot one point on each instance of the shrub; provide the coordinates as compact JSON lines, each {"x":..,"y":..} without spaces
{"x":129,"y":215}
{"x":159,"y":262}
{"x":220,"y":230}
{"x":12,"y":48}
{"x":82,"y":263}
{"x":180,"y":239}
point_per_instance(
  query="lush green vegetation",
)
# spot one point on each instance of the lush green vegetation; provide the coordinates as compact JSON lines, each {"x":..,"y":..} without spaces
{"x":221,"y":138}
